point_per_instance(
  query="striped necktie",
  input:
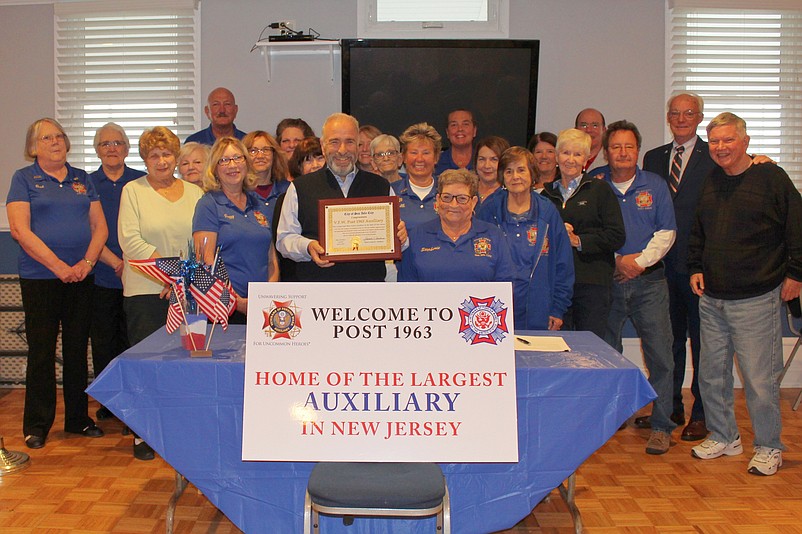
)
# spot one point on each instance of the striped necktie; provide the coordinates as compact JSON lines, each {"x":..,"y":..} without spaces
{"x":676,"y":168}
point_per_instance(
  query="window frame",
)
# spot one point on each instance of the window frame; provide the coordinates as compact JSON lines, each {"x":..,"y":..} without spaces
{"x":496,"y":27}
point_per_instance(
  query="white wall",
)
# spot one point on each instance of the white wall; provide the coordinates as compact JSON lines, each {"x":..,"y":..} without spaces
{"x":607,"y":54}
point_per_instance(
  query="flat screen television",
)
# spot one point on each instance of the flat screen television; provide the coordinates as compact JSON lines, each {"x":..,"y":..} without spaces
{"x":394,"y":83}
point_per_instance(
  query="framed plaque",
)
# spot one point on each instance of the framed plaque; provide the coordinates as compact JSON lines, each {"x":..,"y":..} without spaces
{"x":359,"y":229}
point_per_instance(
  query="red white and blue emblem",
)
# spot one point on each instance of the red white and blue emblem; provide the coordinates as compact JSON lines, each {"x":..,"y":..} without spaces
{"x":79,"y":188}
{"x":483,"y":320}
{"x":282,"y":320}
{"x":644,"y":199}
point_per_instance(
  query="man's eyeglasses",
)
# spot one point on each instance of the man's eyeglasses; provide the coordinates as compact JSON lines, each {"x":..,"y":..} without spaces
{"x":448,"y":197}
{"x":688,"y":113}
{"x":107,"y":144}
{"x":52,"y":137}
{"x":388,"y":154}
{"x":264,"y":150}
{"x":235,"y":159}
{"x":590,"y":125}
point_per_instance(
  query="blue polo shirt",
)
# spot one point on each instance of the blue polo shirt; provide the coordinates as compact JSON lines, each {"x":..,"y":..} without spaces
{"x":110,"y":192}
{"x":446,"y":162}
{"x":244,"y":236}
{"x":646,"y":207}
{"x":481,"y":255}
{"x":206,"y":137}
{"x":59,"y":214}
{"x":278,"y":189}
{"x":415,"y":211}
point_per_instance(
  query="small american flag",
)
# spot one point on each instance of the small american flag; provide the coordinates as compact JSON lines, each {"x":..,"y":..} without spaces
{"x":175,"y":313}
{"x":165,"y":270}
{"x":208,"y":291}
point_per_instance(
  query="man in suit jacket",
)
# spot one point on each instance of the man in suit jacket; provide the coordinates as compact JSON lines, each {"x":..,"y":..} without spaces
{"x":685,"y":178}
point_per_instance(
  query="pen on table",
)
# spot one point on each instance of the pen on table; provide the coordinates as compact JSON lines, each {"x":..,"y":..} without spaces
{"x":522,"y":340}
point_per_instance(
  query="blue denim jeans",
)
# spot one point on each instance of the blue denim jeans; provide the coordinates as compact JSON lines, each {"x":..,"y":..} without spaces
{"x":751,"y":329}
{"x":644,"y":300}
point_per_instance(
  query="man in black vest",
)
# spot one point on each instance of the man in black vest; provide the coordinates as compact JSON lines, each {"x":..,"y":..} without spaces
{"x":298,"y":224}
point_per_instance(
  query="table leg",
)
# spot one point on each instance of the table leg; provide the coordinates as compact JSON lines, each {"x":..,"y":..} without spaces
{"x":180,"y":486}
{"x":568,"y":492}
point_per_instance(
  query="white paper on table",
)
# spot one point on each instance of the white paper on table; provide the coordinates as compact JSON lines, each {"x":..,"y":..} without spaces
{"x":541,"y":343}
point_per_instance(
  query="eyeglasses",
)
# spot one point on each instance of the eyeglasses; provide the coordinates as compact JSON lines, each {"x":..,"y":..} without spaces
{"x":256,"y":150}
{"x":688,"y":113}
{"x":388,"y":154}
{"x":448,"y":197}
{"x":107,"y":144}
{"x":591,"y":125}
{"x":52,"y":137}
{"x":235,"y":159}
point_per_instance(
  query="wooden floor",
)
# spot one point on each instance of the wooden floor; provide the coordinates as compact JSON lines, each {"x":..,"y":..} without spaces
{"x":76,"y":484}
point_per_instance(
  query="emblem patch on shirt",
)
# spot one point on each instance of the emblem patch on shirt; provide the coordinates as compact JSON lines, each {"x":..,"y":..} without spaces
{"x":282,"y":320}
{"x":79,"y":188}
{"x":483,"y":320}
{"x":644,"y":199}
{"x":260,"y":218}
{"x":531,"y":235}
{"x":482,"y":246}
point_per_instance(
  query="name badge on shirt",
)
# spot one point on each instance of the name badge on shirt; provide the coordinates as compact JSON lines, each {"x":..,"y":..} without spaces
{"x":229,"y":217}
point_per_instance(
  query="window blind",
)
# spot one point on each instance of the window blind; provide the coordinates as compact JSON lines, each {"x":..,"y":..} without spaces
{"x":137,"y":65}
{"x":748,"y":62}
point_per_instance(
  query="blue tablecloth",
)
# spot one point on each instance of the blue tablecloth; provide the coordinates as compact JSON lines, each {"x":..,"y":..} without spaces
{"x":190,"y":412}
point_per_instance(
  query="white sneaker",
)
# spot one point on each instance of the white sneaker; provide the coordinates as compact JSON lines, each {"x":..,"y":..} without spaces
{"x":710,"y":448}
{"x":766,"y":461}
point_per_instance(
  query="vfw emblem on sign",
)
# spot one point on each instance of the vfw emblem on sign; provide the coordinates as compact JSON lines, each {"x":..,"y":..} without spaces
{"x":282,"y":320}
{"x":483,"y":320}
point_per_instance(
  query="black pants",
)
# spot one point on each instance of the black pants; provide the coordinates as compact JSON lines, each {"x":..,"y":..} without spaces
{"x":684,"y":311}
{"x":48,"y":304}
{"x":589,"y":309}
{"x":144,"y":315}
{"x":109,"y":332}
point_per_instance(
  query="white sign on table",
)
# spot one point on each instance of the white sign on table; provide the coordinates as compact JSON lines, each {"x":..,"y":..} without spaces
{"x":380,"y":372}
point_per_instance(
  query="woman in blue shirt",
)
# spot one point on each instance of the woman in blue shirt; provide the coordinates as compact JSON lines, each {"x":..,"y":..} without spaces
{"x":455,"y":247}
{"x":55,"y":215}
{"x":232,"y":216}
{"x":538,"y":242}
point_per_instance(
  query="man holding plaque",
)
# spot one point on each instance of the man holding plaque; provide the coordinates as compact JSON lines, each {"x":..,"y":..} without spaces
{"x":298,"y":227}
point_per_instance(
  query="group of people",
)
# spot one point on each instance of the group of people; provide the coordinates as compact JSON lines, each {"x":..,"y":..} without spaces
{"x":587,"y":238}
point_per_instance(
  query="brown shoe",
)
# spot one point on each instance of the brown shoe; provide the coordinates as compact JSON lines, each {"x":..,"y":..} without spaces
{"x":658,"y":443}
{"x":643,"y":421}
{"x":695,"y":431}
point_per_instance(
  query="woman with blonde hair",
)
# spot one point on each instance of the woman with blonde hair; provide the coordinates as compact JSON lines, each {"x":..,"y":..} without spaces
{"x":233,"y":218}
{"x":192,"y":160}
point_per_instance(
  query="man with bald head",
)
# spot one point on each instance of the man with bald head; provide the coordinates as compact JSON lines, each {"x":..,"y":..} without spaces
{"x":221,"y":109}
{"x":297,"y":233}
{"x":591,"y":121}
